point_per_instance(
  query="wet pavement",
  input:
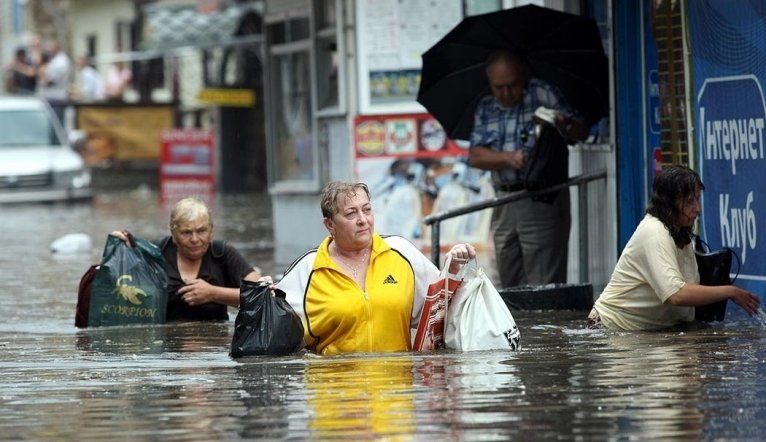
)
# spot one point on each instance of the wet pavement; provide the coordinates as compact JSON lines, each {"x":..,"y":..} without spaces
{"x":177,"y":381}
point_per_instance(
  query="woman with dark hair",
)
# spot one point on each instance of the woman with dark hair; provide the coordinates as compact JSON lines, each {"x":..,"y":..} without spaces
{"x":655,"y":284}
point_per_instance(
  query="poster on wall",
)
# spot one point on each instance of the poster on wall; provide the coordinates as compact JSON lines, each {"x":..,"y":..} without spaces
{"x":729,"y":117}
{"x":117,"y":134}
{"x":393,"y":34}
{"x":413,"y":170}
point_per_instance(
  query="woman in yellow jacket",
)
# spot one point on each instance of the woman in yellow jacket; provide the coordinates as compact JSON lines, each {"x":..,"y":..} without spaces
{"x":359,"y":291}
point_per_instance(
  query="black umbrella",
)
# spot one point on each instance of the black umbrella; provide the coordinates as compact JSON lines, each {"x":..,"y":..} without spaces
{"x":563,"y":49}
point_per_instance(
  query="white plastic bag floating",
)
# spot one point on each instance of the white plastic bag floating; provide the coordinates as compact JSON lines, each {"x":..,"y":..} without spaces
{"x":477,"y":317}
{"x":72,"y":243}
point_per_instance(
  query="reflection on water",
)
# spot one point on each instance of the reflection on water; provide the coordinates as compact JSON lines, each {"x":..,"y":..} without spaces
{"x":177,"y":381}
{"x":379,"y":404}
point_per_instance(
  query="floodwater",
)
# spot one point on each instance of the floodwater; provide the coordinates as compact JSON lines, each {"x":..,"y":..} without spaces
{"x":177,"y":381}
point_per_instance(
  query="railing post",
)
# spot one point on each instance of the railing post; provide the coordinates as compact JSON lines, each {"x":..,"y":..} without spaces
{"x":581,"y":181}
{"x":435,"y":246}
{"x":582,"y":213}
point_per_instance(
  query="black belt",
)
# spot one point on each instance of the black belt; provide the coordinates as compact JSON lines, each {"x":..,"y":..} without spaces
{"x":509,"y":187}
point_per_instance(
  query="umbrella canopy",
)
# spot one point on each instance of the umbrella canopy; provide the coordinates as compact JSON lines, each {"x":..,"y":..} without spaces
{"x":563,"y":49}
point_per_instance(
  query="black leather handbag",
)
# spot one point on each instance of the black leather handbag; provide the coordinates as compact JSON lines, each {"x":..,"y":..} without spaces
{"x":714,"y":269}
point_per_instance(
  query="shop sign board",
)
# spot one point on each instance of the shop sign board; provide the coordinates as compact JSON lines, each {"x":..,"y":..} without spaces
{"x":729,"y":110}
{"x":187,"y":164}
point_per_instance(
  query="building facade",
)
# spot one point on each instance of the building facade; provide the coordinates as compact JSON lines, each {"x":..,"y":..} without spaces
{"x":342,"y":80}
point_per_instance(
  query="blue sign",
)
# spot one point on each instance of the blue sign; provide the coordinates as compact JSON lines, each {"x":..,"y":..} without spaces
{"x":732,"y":163}
{"x":729,"y":128}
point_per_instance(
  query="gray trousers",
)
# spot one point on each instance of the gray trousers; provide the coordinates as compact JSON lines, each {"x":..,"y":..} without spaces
{"x":531,"y":240}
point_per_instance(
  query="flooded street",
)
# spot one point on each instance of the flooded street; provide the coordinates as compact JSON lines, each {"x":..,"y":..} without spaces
{"x":177,"y":381}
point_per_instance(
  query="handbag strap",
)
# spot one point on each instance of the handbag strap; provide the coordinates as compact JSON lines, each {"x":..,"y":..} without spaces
{"x":701,"y":246}
{"x":739,"y":264}
{"x":445,"y":275}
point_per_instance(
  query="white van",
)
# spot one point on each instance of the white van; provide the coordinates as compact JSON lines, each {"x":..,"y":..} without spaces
{"x":37,"y":162}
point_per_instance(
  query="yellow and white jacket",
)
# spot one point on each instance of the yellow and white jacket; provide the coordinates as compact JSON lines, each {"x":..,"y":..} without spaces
{"x":339,"y":317}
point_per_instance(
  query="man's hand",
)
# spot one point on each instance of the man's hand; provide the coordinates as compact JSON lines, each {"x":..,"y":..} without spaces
{"x":482,"y":157}
{"x":517,"y":158}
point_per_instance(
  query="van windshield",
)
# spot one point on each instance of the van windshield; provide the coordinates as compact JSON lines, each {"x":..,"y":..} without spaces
{"x":20,"y":128}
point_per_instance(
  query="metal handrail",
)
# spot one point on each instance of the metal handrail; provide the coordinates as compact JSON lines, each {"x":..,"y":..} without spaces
{"x":435,"y":219}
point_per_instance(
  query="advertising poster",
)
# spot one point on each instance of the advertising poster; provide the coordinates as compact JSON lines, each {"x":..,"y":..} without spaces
{"x":122,"y":133}
{"x":413,"y":170}
{"x":729,"y":72}
{"x":393,"y":35}
{"x":187,"y":165}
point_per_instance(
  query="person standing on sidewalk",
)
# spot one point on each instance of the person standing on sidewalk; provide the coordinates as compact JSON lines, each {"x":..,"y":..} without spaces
{"x":531,"y":236}
{"x":56,"y":78}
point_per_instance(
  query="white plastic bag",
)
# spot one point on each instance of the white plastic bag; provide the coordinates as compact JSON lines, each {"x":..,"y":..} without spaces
{"x":477,"y":317}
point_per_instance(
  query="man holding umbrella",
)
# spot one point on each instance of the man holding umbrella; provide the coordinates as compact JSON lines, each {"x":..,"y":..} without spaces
{"x":555,"y":62}
{"x":531,"y":236}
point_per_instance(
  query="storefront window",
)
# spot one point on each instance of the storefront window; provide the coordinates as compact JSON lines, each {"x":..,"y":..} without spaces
{"x":394,"y":37}
{"x":327,"y":59}
{"x":327,"y":73}
{"x":291,"y":120}
{"x":288,"y":31}
{"x":326,"y":14}
{"x":475,"y":7}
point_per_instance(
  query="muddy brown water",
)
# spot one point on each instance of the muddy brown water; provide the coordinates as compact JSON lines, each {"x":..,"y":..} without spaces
{"x":177,"y":381}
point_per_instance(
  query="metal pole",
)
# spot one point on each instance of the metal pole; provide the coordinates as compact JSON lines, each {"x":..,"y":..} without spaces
{"x":582,"y":198}
{"x":435,"y":242}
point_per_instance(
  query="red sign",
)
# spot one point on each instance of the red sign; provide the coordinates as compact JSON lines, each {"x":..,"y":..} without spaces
{"x":188,"y":164}
{"x":406,"y":135}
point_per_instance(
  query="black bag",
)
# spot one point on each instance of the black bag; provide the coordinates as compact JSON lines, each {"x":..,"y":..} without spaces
{"x":714,"y":269}
{"x":265,"y":324}
{"x":548,"y":162}
{"x":130,"y":285}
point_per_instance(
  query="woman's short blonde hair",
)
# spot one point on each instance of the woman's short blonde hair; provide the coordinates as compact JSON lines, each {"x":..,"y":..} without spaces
{"x":334,"y":190}
{"x":190,"y":209}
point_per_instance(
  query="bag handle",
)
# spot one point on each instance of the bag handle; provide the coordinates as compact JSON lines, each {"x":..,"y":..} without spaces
{"x":701,"y":246}
{"x":445,"y":268}
{"x":131,"y":239}
{"x":459,"y":275}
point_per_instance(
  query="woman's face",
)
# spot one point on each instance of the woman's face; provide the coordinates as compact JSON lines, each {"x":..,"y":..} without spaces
{"x":352,"y":225}
{"x":690,"y":209}
{"x":193,"y":238}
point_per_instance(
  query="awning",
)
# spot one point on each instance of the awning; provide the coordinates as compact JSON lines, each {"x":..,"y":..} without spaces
{"x":170,"y":26}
